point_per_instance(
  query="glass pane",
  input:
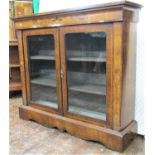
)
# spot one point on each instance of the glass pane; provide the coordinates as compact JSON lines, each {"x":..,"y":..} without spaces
{"x":42,"y":70}
{"x":86,"y":74}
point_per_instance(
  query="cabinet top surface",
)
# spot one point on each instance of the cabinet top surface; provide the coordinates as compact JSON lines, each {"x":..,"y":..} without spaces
{"x":104,"y":6}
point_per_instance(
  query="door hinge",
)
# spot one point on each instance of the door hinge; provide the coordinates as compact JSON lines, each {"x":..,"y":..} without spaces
{"x":61,"y":73}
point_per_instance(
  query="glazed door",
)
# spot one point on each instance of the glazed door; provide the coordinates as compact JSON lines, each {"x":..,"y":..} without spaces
{"x":86,"y":59}
{"x":42,"y":61}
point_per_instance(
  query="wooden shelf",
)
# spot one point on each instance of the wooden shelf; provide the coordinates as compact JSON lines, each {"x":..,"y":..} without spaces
{"x":92,"y":89}
{"x":80,"y":77}
{"x":47,"y":103}
{"x":14,"y":65}
{"x":88,"y":56}
{"x":87,"y":88}
{"x":87,"y":101}
{"x":14,"y":86}
{"x":45,"y":81}
{"x":88,"y":113}
{"x":87,"y":59}
{"x":13,"y":43}
{"x":39,"y":57}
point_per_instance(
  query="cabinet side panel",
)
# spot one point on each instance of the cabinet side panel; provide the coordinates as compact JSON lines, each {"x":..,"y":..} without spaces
{"x":129,"y":73}
{"x":22,"y":68}
{"x":117,"y":75}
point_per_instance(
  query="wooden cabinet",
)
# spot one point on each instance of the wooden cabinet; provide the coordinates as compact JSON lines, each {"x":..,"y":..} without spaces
{"x":16,"y":8}
{"x":14,"y":66}
{"x":78,"y":71}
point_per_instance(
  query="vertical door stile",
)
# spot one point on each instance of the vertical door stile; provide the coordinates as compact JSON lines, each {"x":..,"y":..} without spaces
{"x":22,"y":66}
{"x":63,"y":70}
{"x":59,"y":64}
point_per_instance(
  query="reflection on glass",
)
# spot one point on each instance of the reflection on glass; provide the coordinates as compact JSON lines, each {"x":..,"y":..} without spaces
{"x":42,"y":70}
{"x":86,"y":74}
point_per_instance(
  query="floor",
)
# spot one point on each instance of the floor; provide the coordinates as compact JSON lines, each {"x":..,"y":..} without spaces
{"x":30,"y":138}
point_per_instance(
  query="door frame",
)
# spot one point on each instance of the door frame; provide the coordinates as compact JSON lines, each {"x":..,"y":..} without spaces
{"x":47,"y":31}
{"x":107,"y":28}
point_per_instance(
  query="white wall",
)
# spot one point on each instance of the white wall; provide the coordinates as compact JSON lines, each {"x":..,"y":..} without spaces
{"x":48,"y":5}
{"x":139,"y":109}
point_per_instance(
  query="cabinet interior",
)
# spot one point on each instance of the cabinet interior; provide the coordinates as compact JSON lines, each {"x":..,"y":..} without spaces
{"x":86,"y":73}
